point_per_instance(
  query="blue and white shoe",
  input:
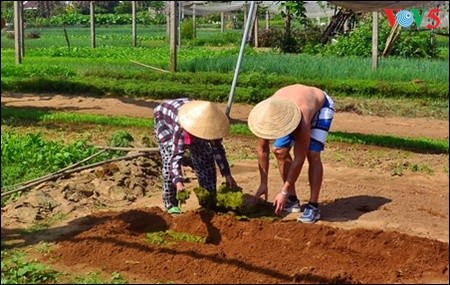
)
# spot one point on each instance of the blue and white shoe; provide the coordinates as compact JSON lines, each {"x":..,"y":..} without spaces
{"x":310,"y":215}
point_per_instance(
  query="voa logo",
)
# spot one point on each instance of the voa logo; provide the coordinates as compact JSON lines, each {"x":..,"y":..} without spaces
{"x":406,"y":18}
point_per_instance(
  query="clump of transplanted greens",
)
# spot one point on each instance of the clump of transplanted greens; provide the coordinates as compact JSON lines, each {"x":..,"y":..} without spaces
{"x":260,"y":209}
{"x":205,"y":198}
{"x":229,"y":197}
{"x":171,"y":238}
{"x":232,"y":200}
{"x":182,"y":196}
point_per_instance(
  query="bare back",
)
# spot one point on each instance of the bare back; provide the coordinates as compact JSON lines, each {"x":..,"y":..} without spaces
{"x":308,"y":99}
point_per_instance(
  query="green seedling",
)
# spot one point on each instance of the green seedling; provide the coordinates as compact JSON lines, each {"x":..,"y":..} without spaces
{"x":182,"y":196}
{"x":205,"y":198}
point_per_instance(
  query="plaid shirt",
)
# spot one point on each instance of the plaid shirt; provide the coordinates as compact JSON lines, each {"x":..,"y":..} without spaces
{"x":169,"y":130}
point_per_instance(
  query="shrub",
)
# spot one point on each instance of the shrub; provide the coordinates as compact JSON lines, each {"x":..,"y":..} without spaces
{"x":410,"y":44}
{"x":293,"y":43}
{"x":120,"y":138}
{"x":187,"y":29}
{"x":33,"y":35}
{"x":10,"y":35}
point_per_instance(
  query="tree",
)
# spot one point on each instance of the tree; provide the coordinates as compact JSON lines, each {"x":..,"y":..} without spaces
{"x":100,"y":6}
{"x":8,"y":11}
{"x":46,"y":9}
{"x":155,"y":5}
{"x":292,"y":10}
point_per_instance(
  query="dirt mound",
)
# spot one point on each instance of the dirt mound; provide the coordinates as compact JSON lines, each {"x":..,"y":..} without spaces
{"x":253,"y":251}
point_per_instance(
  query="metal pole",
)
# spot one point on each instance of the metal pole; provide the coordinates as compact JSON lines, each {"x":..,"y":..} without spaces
{"x":241,"y":52}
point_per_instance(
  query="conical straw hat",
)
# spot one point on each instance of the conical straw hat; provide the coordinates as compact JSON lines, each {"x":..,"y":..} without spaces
{"x":274,"y":118}
{"x":204,"y":120}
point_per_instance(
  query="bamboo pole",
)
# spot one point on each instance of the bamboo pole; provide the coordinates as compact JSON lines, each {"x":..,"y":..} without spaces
{"x":61,"y":170}
{"x":143,"y":149}
{"x":152,"y":67}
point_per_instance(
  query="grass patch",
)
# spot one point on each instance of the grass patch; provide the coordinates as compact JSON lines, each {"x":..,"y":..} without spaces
{"x":96,"y":278}
{"x":17,"y":270}
{"x":422,"y":145}
{"x":12,"y":114}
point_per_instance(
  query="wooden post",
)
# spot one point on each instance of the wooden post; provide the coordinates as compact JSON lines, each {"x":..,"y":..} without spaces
{"x":193,"y":21}
{"x":133,"y":23}
{"x":267,"y":19}
{"x":256,"y":24}
{"x":374,"y":40}
{"x":173,"y":35}
{"x":22,"y":29}
{"x":222,"y":26}
{"x":91,"y":7}
{"x":167,"y":20}
{"x":245,"y":12}
{"x":17,"y":32}
{"x":178,"y":22}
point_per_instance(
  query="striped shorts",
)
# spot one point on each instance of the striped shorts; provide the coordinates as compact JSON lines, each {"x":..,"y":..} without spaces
{"x":320,"y":126}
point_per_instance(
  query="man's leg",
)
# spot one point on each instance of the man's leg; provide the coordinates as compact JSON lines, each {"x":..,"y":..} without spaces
{"x":284,"y":161}
{"x":315,"y":175}
{"x":281,"y":150}
{"x":311,"y":213}
{"x":320,"y":125}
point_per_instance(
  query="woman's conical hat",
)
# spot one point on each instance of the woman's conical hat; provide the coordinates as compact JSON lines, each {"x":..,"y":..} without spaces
{"x":204,"y":120}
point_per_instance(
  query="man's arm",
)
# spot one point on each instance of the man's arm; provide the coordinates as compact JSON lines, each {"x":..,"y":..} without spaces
{"x":263,"y":165}
{"x":263,"y":160}
{"x":301,"y":144}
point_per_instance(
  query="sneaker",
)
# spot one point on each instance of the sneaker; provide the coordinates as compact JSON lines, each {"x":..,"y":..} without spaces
{"x":310,"y":215}
{"x":174,"y":210}
{"x":292,"y":207}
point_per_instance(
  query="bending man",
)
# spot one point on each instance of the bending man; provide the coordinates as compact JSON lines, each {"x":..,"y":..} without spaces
{"x":297,"y":116}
